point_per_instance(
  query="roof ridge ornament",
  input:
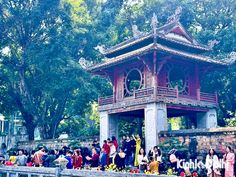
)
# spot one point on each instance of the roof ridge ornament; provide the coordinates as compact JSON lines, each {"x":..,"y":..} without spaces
{"x":231,"y":59}
{"x":154,"y":23}
{"x":136,"y":32}
{"x":176,"y":16}
{"x":212,"y":43}
{"x":85,"y":64}
{"x":100,"y":48}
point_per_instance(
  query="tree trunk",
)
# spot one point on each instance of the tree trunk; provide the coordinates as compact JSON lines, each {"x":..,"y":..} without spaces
{"x":29,"y":124}
{"x":30,"y":130}
{"x":46,"y":131}
{"x":28,"y":117}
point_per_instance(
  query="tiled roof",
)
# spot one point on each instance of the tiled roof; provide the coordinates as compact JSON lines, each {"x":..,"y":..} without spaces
{"x":189,"y":55}
{"x":128,"y":43}
{"x":161,"y":33}
{"x":133,"y":54}
{"x":121,"y":58}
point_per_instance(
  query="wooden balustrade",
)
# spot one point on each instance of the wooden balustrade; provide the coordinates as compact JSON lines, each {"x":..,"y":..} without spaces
{"x":163,"y":92}
{"x":207,"y":97}
{"x":167,"y":92}
{"x":143,"y":92}
{"x":187,"y":97}
{"x":105,"y":100}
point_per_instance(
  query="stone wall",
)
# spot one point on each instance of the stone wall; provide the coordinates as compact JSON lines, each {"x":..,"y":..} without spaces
{"x":11,"y":141}
{"x":202,"y":139}
{"x":55,"y":143}
{"x":53,"y":172}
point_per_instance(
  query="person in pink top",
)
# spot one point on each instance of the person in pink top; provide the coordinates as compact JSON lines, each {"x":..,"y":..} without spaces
{"x":229,"y":162}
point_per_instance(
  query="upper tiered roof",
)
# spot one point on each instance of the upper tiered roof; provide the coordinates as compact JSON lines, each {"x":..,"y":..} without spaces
{"x":172,"y":34}
{"x":171,"y":38}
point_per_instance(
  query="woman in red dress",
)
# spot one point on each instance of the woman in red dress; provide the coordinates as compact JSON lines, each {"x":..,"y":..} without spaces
{"x":77,"y":159}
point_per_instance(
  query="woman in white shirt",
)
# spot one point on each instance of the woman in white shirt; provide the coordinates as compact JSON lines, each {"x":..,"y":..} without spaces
{"x":112,"y":153}
{"x":142,"y":160}
{"x":212,"y":164}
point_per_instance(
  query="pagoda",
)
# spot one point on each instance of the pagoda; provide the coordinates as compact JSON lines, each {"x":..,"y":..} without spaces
{"x":155,"y":76}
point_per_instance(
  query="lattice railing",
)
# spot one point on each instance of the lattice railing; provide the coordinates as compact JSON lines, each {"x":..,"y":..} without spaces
{"x":144,"y":92}
{"x":208,"y":97}
{"x":106,"y":100}
{"x":167,"y":92}
{"x":163,"y":92}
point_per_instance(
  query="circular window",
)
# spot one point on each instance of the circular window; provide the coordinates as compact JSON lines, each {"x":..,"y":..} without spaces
{"x":177,"y":77}
{"x":133,"y":81}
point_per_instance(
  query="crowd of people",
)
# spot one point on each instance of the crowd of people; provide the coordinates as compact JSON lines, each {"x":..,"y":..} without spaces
{"x":128,"y":153}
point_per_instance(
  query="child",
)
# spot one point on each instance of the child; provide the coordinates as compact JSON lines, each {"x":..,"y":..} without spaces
{"x":153,"y":166}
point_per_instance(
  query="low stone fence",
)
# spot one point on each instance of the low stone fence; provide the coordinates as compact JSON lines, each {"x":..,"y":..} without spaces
{"x":201,"y":140}
{"x":55,"y":172}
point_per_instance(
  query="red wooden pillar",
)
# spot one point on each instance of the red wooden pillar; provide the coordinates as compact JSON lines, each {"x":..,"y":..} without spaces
{"x":177,"y":91}
{"x":216,"y":97}
{"x":155,"y":72}
{"x":115,"y":87}
{"x":197,"y":87}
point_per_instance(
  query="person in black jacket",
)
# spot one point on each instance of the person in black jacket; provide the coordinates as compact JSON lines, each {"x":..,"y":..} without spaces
{"x":120,"y":160}
{"x":128,"y":151}
{"x":50,"y":159}
{"x":45,"y":163}
{"x":133,"y":148}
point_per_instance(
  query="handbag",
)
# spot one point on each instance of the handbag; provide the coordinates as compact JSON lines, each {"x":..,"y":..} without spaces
{"x":143,"y":167}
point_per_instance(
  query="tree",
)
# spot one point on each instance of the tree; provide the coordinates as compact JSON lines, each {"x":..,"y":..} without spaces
{"x":40,"y":73}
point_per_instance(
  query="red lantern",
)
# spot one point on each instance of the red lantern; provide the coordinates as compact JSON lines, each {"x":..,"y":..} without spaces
{"x":195,"y":174}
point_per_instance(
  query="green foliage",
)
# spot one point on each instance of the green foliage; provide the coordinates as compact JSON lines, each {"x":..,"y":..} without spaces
{"x":129,"y":127}
{"x":85,"y":125}
{"x":177,"y":123}
{"x":232,"y":121}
